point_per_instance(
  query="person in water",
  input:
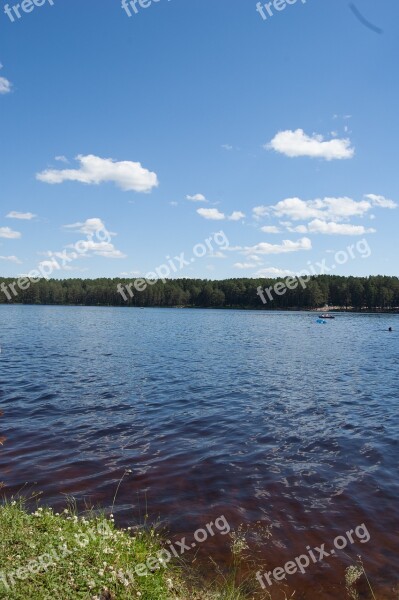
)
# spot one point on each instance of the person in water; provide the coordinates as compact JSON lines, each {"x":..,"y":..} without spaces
{"x":390,"y":329}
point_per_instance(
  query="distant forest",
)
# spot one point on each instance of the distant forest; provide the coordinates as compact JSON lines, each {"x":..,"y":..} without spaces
{"x":358,"y":293}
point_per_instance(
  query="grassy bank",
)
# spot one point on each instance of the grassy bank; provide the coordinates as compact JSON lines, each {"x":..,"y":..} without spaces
{"x":46,"y":555}
{"x":51,"y":556}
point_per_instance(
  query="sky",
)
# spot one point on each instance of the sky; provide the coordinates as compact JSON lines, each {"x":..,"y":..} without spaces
{"x":131,"y":135}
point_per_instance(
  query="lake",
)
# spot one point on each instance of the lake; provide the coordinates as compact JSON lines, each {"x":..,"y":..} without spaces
{"x":285,"y":426}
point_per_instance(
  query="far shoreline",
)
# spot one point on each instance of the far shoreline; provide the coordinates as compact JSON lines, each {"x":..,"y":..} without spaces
{"x":317,"y":310}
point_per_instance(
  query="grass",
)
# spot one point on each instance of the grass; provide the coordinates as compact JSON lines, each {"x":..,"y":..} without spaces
{"x":51,"y":556}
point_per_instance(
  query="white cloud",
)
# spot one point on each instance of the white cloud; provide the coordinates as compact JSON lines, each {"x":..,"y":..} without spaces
{"x":197,"y":198}
{"x":212,"y":214}
{"x":336,"y":209}
{"x":286,"y":246}
{"x":261,"y":211}
{"x":216,"y":254}
{"x":254,"y":257}
{"x":297,"y":229}
{"x":94,"y":170}
{"x":273,"y":272}
{"x":12,"y":259}
{"x":173,"y":203}
{"x":88,"y":247}
{"x":297,"y":209}
{"x":233,"y":248}
{"x":240,"y":265}
{"x":102,"y":247}
{"x":237,"y":215}
{"x":381,"y":201}
{"x":331,"y":228}
{"x":344,"y":208}
{"x":227,"y":147}
{"x":6,"y":232}
{"x":105,"y":249}
{"x":19,"y":215}
{"x":5,"y":85}
{"x":270,"y":229}
{"x":89,"y":227}
{"x":329,"y":215}
{"x":61,"y":158}
{"x":130,"y":273}
{"x":298,"y":143}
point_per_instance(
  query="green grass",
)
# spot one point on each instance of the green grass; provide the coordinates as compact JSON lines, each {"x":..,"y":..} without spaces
{"x":50,"y":556}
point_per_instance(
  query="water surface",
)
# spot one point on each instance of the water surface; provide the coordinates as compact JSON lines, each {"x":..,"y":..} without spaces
{"x":276,"y":422}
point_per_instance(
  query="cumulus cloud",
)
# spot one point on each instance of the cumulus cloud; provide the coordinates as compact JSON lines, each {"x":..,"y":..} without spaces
{"x":241,"y":265}
{"x":127,"y":175}
{"x":270,"y":229}
{"x":260,"y":211}
{"x":297,"y":228}
{"x":130,"y":273}
{"x":102,"y":247}
{"x":286,"y":246}
{"x":344,"y":208}
{"x":89,"y":227}
{"x":12,"y":259}
{"x":233,"y":248}
{"x":19,"y":215}
{"x":105,"y":249}
{"x":197,"y":198}
{"x":6,"y":232}
{"x":216,"y":254}
{"x":332,"y":228}
{"x":326,"y":209}
{"x":213,"y":214}
{"x":254,"y":257}
{"x":381,"y":201}
{"x":297,"y":209}
{"x":88,"y":248}
{"x":298,"y":143}
{"x":273,"y":272}
{"x":5,"y":85}
{"x":237,"y":215}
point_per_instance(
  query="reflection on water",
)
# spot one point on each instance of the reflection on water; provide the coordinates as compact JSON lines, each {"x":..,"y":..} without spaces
{"x":267,"y":418}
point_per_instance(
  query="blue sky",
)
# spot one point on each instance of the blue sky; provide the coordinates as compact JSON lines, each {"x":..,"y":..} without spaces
{"x":193,"y":117}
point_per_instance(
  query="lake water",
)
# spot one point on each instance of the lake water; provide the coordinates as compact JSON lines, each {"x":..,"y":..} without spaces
{"x":270,"y":419}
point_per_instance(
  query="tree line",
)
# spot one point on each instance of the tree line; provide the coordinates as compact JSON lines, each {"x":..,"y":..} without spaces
{"x":358,"y":293}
